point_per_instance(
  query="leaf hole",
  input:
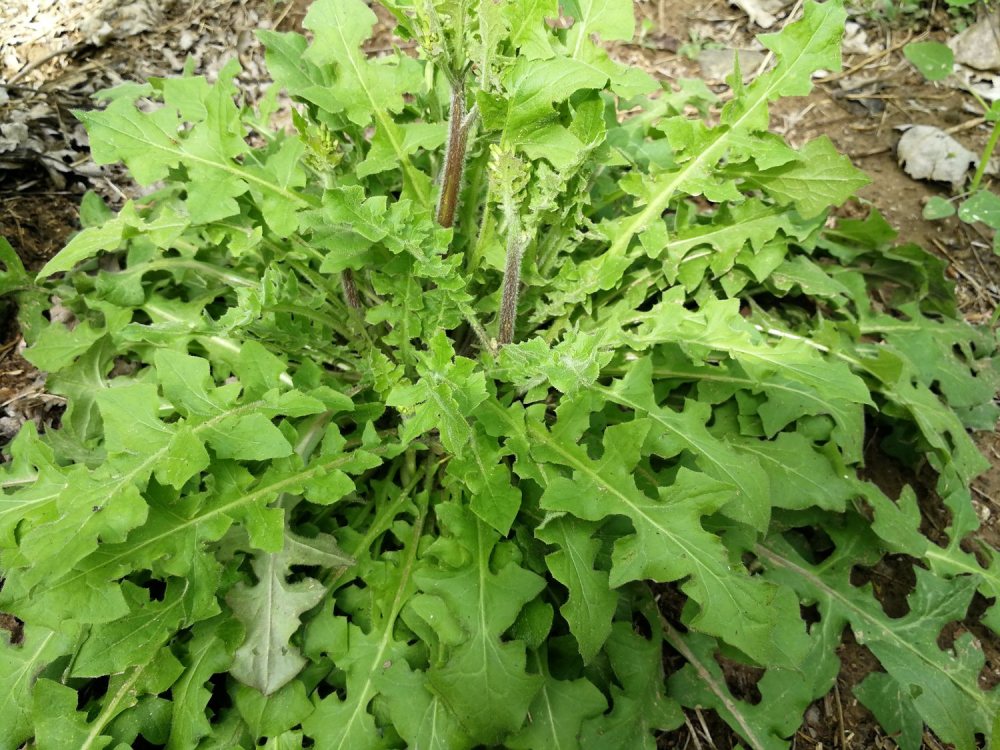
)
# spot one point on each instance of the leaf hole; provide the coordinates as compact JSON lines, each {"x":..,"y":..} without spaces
{"x":811,"y":541}
{"x":641,"y":625}
{"x":324,"y":688}
{"x":91,"y":691}
{"x":299,"y":573}
{"x":741,"y":679}
{"x":810,"y":615}
{"x":892,"y":580}
{"x":14,"y":627}
{"x":156,"y":588}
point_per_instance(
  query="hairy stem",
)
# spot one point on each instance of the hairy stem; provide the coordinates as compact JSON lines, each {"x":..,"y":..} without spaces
{"x":350,"y":289}
{"x":454,"y":158}
{"x":511,"y":287}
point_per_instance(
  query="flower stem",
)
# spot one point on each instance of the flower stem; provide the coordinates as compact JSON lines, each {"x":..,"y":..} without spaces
{"x":511,"y":288}
{"x":454,"y":158}
{"x":350,"y":289}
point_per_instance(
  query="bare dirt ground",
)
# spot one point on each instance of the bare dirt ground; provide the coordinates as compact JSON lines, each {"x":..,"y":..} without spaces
{"x":55,"y":54}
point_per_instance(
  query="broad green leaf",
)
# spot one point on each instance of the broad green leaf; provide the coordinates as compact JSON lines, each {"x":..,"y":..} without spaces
{"x":639,"y":706}
{"x":891,"y":704}
{"x":941,"y":684}
{"x":134,"y":435}
{"x":527,"y":30}
{"x":933,"y":59}
{"x":114,"y":646}
{"x":820,"y":179}
{"x":290,"y":69}
{"x":365,"y":90}
{"x":209,"y":652}
{"x":671,"y":544}
{"x":557,"y":715}
{"x":524,"y":114}
{"x":483,"y":680}
{"x":420,"y":716}
{"x":271,"y":715}
{"x":57,"y":721}
{"x":270,"y":610}
{"x":492,"y":497}
{"x":785,"y":693}
{"x":686,"y":431}
{"x":20,"y":666}
{"x":938,"y":208}
{"x":983,"y":206}
{"x":800,"y":475}
{"x":591,"y":604}
{"x":58,"y":346}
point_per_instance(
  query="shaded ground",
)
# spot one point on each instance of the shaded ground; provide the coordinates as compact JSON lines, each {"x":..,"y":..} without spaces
{"x":55,"y":55}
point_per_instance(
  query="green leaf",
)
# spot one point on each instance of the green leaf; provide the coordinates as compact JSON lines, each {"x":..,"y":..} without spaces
{"x":800,"y":475}
{"x":933,"y":59}
{"x":677,"y":431}
{"x":12,"y":273}
{"x":209,"y":652}
{"x":420,"y":716}
{"x":941,"y":685}
{"x":785,"y":694}
{"x":938,"y":208}
{"x":20,"y":666}
{"x":249,"y":438}
{"x":482,"y":470}
{"x":114,"y":646}
{"x":591,"y":604}
{"x":801,"y":48}
{"x":483,"y":680}
{"x":638,"y":704}
{"x":152,"y":144}
{"x":270,"y":715}
{"x":58,"y":346}
{"x":135,"y":435}
{"x":557,"y":715}
{"x":270,"y":610}
{"x":443,"y":398}
{"x":893,"y":708}
{"x":983,"y":206}
{"x":671,"y":544}
{"x":57,"y":721}
{"x":525,"y":116}
{"x":820,"y":179}
{"x":366,"y":90}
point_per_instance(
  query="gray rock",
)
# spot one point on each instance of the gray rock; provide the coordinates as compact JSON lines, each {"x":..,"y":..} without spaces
{"x":928,"y":153}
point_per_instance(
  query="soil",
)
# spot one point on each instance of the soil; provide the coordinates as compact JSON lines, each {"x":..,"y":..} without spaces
{"x":54,"y":55}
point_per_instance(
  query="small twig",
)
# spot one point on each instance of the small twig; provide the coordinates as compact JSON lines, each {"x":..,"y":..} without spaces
{"x":869,"y":60}
{"x":873,"y":152}
{"x":704,"y":726}
{"x":692,"y":733}
{"x":959,"y":268}
{"x":35,"y":64}
{"x":840,"y":717}
{"x":986,"y":497}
